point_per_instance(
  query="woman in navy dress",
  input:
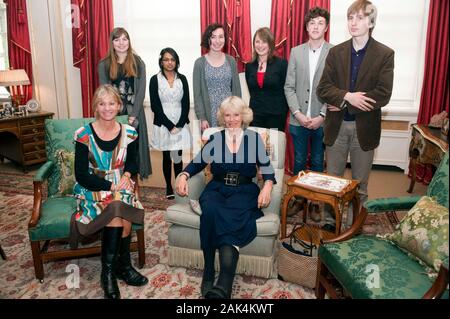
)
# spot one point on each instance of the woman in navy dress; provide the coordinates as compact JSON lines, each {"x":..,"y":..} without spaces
{"x":231,"y":203}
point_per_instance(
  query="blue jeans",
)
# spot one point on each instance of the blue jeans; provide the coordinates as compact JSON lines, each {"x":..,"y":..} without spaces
{"x":300,"y":137}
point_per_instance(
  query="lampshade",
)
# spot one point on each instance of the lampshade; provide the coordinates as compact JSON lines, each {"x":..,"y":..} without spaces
{"x":14,"y":77}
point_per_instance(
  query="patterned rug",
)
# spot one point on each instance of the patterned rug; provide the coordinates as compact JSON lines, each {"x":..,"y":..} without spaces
{"x":17,"y":278}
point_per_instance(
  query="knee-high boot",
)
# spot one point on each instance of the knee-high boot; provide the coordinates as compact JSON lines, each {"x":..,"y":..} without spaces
{"x":110,"y":248}
{"x":228,"y":257}
{"x":125,"y":270}
{"x":208,"y":270}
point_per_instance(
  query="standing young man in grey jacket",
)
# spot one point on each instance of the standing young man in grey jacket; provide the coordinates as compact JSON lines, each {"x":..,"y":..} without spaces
{"x":303,"y":75}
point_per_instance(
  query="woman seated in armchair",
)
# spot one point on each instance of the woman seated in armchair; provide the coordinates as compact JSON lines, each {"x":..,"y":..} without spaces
{"x":231,"y":203}
{"x":105,"y":160}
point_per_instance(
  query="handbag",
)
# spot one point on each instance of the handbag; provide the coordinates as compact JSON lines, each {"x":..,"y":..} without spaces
{"x":297,"y":259}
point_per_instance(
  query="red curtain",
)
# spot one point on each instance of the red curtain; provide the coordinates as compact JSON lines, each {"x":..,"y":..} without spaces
{"x":90,"y":38}
{"x":435,"y":91}
{"x":235,"y":16}
{"x":19,"y":49}
{"x":288,"y":25}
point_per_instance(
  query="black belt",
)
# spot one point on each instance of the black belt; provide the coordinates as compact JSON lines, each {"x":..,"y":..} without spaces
{"x":232,"y":179}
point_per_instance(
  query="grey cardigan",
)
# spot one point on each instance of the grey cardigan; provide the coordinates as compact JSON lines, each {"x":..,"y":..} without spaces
{"x":202,"y":105}
{"x":145,"y":166}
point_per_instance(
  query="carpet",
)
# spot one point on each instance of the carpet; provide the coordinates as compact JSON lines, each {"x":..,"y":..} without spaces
{"x":17,"y":280}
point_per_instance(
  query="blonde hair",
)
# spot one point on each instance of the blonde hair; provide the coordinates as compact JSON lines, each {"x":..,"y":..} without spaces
{"x":101,"y":92}
{"x":235,"y":103}
{"x":129,"y":65}
{"x":367,"y":8}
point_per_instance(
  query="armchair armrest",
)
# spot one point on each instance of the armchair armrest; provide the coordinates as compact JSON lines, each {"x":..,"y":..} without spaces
{"x":196,"y":184}
{"x":41,"y":175}
{"x":439,"y":285}
{"x":372,"y":207}
{"x":276,"y":195}
{"x":44,"y":172}
{"x":391,"y":204}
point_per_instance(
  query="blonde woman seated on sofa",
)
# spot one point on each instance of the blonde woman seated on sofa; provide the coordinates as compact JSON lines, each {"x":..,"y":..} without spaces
{"x":231,"y":202}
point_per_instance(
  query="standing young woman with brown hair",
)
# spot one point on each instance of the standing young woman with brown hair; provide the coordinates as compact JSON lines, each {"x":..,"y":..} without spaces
{"x":125,"y":70}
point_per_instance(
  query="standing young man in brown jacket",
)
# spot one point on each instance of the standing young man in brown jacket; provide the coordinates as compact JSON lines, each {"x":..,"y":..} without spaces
{"x":356,"y":83}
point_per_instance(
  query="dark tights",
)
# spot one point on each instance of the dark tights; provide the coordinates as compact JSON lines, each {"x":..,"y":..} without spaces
{"x":228,"y":259}
{"x":167,"y":168}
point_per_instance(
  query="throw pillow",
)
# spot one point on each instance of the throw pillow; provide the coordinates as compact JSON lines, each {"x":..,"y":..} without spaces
{"x":424,"y":232}
{"x":66,"y":162}
{"x":195,"y":206}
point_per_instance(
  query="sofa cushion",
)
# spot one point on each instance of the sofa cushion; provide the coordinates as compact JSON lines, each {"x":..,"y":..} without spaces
{"x":356,"y":261}
{"x":182,"y":214}
{"x":424,"y":232}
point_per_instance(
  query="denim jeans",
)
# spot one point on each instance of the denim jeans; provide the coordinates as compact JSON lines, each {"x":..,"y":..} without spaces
{"x":300,"y":137}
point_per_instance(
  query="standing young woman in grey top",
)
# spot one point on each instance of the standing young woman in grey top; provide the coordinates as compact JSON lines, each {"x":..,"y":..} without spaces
{"x":125,"y":70}
{"x":215,"y":76}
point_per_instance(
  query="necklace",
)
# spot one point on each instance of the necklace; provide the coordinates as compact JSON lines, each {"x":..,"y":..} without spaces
{"x":261,"y":66}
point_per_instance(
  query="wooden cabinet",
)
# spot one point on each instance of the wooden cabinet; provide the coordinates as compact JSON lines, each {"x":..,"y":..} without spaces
{"x":22,"y":138}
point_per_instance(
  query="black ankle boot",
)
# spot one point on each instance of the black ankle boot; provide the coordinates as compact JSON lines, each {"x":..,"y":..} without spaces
{"x":110,"y":248}
{"x":228,"y":257}
{"x":125,"y":270}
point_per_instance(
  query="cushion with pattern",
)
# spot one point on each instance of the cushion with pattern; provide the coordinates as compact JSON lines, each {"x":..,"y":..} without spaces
{"x":424,"y":232}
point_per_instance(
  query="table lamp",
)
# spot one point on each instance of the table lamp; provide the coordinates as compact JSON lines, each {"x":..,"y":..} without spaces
{"x":14,"y":79}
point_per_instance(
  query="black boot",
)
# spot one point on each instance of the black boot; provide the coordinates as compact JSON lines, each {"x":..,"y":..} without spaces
{"x":208,"y":271}
{"x":125,"y":271}
{"x":110,"y":248}
{"x":228,"y":257}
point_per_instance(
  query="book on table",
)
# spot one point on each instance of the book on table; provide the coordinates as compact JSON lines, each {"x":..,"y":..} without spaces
{"x":322,"y":181}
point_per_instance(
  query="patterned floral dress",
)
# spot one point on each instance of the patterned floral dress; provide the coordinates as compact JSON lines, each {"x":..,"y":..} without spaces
{"x":94,"y":207}
{"x":218,"y":81}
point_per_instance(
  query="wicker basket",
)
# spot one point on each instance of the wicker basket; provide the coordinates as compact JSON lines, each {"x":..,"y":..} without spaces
{"x":296,"y":267}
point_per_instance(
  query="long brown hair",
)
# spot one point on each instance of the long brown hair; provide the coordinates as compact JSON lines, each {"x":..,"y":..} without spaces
{"x":267,"y":36}
{"x":130,"y":65}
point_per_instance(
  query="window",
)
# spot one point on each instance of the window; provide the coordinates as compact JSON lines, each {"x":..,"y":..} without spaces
{"x":4,"y":63}
{"x":403,"y":27}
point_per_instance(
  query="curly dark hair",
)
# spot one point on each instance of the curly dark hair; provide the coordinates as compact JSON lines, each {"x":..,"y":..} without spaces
{"x":317,"y":12}
{"x":206,"y":36}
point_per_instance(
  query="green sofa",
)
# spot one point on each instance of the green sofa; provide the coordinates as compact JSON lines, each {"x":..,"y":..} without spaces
{"x":344,"y":260}
{"x":50,"y":217}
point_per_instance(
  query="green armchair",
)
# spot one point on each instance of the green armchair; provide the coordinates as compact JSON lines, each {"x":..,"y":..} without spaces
{"x":345,"y":262}
{"x":50,"y":217}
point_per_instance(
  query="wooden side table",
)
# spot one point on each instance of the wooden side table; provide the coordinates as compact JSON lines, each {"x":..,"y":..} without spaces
{"x":337,"y":200}
{"x":22,"y":138}
{"x":428,"y":146}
